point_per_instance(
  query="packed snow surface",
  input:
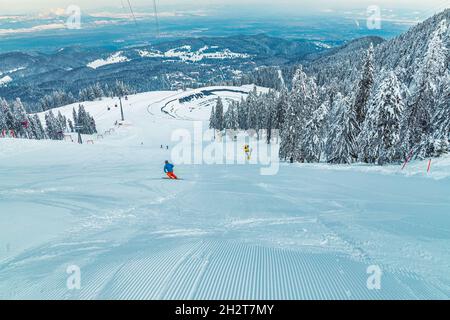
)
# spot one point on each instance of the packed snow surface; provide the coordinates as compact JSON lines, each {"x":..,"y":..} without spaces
{"x":225,"y":231}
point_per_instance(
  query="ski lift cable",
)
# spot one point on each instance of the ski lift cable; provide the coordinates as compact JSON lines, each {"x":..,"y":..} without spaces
{"x":155,"y":10}
{"x":132,"y":11}
{"x":137,"y":32}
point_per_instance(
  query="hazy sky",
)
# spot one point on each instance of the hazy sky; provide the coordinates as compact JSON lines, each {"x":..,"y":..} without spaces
{"x":25,"y":6}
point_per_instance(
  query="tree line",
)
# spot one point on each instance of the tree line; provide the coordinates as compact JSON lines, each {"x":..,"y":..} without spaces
{"x":16,"y":122}
{"x":380,"y":121}
{"x":96,"y":91}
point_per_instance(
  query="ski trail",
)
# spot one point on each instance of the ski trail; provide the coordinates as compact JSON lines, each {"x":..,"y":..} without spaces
{"x":195,"y":271}
{"x":225,"y":233}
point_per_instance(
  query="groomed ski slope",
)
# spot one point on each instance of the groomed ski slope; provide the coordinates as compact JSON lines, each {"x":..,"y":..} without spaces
{"x":225,"y":232}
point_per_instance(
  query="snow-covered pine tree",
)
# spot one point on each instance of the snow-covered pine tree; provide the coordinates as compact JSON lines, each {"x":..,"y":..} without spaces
{"x":234,"y":119}
{"x":364,"y":86}
{"x":257,"y":114}
{"x":417,"y":126}
{"x":31,"y":129}
{"x":417,"y":123}
{"x":303,"y":102}
{"x":304,"y":94}
{"x":93,"y":126}
{"x":315,"y":134}
{"x":106,"y":90}
{"x":85,"y":121}
{"x":62,"y":122}
{"x":219,"y":121}
{"x":38,"y":128}
{"x":91,"y":93}
{"x":434,"y":64}
{"x":269,"y":113}
{"x":390,"y":113}
{"x":121,"y":89}
{"x":83,"y":95}
{"x":367,"y":140}
{"x":382,"y":128}
{"x":55,"y":99}
{"x":230,"y":117}
{"x":34,"y":130}
{"x":82,"y":115}
{"x":252,"y":103}
{"x":261,"y":114}
{"x":436,"y":143}
{"x":441,"y":119}
{"x":9,"y":116}
{"x":242,"y":111}
{"x":21,"y":125}
{"x":212,"y":119}
{"x":227,"y":116}
{"x":290,"y":137}
{"x":281,"y":107}
{"x":98,"y":91}
{"x":3,"y":115}
{"x":71,"y":127}
{"x":342,"y":139}
{"x":431,"y":147}
{"x":52,"y":126}
{"x":75,"y":116}
{"x":333,"y":110}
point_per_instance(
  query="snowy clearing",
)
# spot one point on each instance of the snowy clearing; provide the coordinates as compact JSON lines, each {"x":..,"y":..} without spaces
{"x":115,"y":58}
{"x":185,"y":53}
{"x":5,"y":80}
{"x":225,"y":231}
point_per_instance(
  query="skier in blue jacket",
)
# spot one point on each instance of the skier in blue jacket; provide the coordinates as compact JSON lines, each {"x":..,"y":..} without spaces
{"x":168,"y":169}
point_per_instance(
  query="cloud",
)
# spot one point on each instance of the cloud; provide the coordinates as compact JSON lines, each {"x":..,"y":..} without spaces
{"x":143,"y":15}
{"x":43,"y":27}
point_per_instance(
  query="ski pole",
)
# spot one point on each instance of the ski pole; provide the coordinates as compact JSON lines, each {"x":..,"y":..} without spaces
{"x":429,"y":166}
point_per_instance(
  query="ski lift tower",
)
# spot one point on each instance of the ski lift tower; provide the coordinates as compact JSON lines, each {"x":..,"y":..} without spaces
{"x":121,"y":108}
{"x":78,"y":128}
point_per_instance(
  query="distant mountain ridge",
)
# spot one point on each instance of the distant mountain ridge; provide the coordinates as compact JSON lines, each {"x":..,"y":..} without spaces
{"x":197,"y":62}
{"x":403,"y":54}
{"x":175,"y":64}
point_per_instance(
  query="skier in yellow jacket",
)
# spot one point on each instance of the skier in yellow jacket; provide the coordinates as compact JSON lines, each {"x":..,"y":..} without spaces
{"x":248,"y":151}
